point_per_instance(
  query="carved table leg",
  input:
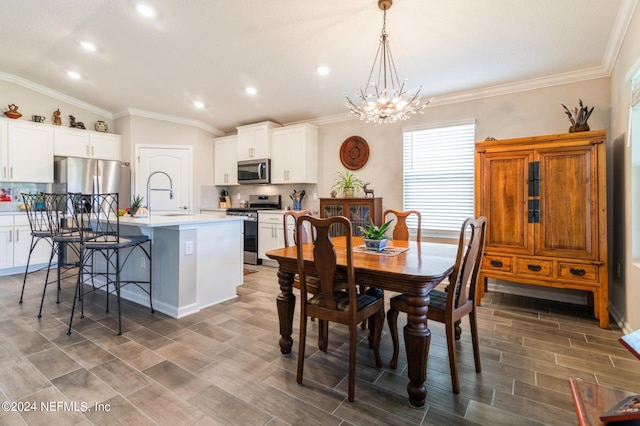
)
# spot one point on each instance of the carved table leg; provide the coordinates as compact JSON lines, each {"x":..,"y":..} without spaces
{"x":286,"y":303}
{"x":417,"y":338}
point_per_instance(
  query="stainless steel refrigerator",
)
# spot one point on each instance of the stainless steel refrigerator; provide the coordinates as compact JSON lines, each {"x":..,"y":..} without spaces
{"x":89,"y":176}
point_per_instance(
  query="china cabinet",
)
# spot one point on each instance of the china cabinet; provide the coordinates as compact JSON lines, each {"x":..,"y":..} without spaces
{"x":361,"y":211}
{"x":545,"y":202}
{"x":294,"y":154}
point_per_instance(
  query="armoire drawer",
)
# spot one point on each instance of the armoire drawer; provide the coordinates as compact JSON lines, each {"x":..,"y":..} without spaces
{"x":534,"y":267}
{"x":492,"y":262}
{"x":575,"y":271}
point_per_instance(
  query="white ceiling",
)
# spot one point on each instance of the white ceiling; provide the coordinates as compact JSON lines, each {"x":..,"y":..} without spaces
{"x":210,"y":50}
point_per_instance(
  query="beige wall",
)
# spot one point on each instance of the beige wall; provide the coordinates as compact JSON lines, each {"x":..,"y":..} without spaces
{"x":149,"y":131}
{"x":31,"y":102}
{"x":625,"y":291}
{"x":528,"y":113}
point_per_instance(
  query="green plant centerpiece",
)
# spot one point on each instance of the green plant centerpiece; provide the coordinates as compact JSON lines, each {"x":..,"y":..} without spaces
{"x":347,"y":183}
{"x":375,"y":237}
{"x":136,"y":203}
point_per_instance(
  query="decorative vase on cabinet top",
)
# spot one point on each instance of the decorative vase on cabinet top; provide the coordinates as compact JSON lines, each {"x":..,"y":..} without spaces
{"x":13,"y":112}
{"x":101,"y":126}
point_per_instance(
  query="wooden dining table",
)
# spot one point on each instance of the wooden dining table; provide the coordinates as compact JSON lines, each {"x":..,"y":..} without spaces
{"x":414,"y":272}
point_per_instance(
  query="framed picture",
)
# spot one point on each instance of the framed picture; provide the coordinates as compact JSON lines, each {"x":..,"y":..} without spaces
{"x":627,"y":409}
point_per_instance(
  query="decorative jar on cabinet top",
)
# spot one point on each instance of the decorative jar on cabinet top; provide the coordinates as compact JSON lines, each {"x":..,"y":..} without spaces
{"x":101,"y":126}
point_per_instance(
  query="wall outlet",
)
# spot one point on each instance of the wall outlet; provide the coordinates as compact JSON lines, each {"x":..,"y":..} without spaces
{"x":188,"y":248}
{"x":238,"y":196}
{"x":315,"y":195}
{"x":143,"y":264}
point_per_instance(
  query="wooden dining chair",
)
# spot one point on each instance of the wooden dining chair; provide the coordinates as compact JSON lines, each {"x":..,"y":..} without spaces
{"x":401,"y":230}
{"x":459,"y":300}
{"x":312,"y":283}
{"x":328,"y":304}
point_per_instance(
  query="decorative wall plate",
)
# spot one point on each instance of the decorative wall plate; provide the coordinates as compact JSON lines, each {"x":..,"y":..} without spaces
{"x":354,"y":152}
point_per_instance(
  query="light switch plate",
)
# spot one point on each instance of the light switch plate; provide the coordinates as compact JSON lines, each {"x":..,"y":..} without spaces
{"x":188,"y":248}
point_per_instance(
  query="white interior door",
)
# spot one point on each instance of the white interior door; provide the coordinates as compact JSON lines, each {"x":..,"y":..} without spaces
{"x":168,"y":167}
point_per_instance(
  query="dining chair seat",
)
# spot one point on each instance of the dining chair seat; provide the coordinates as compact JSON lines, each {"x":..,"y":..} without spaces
{"x":342,"y":300}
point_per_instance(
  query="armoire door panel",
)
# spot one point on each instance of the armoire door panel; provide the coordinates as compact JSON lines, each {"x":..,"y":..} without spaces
{"x":506,"y":185}
{"x":567,"y":191}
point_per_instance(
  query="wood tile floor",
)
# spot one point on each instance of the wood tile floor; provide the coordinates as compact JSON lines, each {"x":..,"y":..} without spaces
{"x":223,"y":366}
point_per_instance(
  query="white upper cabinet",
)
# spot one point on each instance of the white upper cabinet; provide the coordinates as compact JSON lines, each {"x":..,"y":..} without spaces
{"x":26,"y":152}
{"x":226,"y":160}
{"x":294,"y":154}
{"x":105,"y":146}
{"x":71,"y":142}
{"x":254,"y":141}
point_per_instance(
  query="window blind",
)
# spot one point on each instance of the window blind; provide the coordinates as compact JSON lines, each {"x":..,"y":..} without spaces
{"x":438,"y":176}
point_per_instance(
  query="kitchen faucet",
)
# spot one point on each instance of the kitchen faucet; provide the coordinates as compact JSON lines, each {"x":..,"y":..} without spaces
{"x":149,"y":189}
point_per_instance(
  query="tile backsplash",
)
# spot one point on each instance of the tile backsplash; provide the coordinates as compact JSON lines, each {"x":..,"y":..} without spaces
{"x":13,"y":198}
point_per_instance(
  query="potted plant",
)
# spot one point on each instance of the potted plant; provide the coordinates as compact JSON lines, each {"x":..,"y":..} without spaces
{"x":136,"y":203}
{"x":348,"y":183}
{"x":374,"y":236}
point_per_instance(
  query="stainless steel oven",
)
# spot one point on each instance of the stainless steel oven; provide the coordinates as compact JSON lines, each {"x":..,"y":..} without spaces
{"x":250,"y":214}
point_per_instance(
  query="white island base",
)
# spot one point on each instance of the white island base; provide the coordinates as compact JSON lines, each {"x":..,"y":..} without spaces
{"x":197,"y":261}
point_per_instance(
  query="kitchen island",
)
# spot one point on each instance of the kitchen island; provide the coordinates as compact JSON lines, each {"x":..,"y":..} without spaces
{"x":197,"y":260}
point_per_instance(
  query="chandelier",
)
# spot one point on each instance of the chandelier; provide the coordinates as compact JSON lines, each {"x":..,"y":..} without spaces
{"x":385,"y":100}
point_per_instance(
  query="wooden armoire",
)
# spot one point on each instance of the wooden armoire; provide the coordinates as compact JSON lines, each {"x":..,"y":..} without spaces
{"x":546,"y":206}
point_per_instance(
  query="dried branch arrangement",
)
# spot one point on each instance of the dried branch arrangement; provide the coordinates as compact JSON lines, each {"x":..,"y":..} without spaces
{"x":578,"y":117}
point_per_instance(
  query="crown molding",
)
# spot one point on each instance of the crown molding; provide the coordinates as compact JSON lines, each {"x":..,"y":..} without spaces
{"x":169,"y":118}
{"x":521,"y":86}
{"x":618,"y":33}
{"x":54,"y":94}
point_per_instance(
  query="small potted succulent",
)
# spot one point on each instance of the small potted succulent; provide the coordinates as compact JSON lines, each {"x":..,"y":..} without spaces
{"x":374,"y":236}
{"x":347,"y":183}
{"x":136,"y":204}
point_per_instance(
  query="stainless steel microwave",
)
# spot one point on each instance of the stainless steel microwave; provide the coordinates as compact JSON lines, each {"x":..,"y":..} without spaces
{"x":254,"y":171}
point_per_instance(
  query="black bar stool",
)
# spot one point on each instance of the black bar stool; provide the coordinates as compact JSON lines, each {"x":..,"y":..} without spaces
{"x":98,"y":224}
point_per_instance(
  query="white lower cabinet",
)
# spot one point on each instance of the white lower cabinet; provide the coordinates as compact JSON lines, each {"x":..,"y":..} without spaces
{"x":15,"y":242}
{"x":270,"y":233}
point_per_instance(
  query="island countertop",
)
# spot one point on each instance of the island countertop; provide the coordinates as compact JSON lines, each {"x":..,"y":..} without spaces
{"x":197,"y":260}
{"x":180,"y":219}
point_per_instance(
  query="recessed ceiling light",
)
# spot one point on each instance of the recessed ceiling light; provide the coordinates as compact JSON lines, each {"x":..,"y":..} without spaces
{"x":251,"y":90}
{"x":87,"y":45}
{"x":146,"y":10}
{"x":323,"y":70}
{"x":74,"y":75}
{"x":198,"y":104}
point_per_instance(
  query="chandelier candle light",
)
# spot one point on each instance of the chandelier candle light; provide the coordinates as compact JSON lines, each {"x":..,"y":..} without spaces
{"x":379,"y":103}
